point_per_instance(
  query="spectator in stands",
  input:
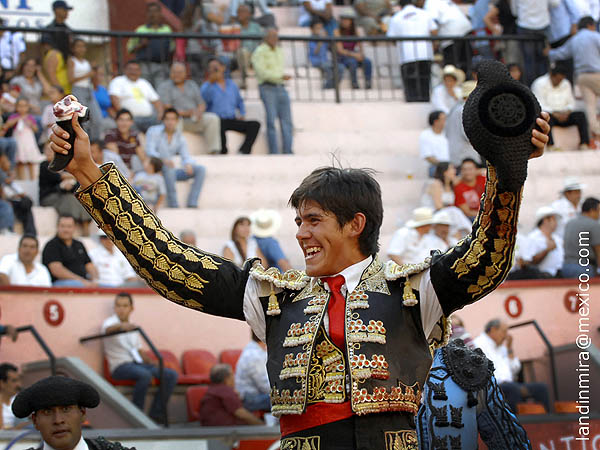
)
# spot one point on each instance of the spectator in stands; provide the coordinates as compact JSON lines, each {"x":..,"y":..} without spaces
{"x":21,"y":268}
{"x":584,"y":48}
{"x":543,"y":251}
{"x":8,"y":100}
{"x":7,"y":218}
{"x":269,"y":67}
{"x":433,"y":145}
{"x":468,"y":190}
{"x":555,"y":94}
{"x":459,"y":147}
{"x":439,"y":237}
{"x":113,"y":268}
{"x":452,"y":22}
{"x":242,"y":246}
{"x":496,"y":343}
{"x":10,"y":385}
{"x":184,"y":95}
{"x":55,"y":93}
{"x":415,"y":57}
{"x":221,"y":405}
{"x":125,"y":142}
{"x":319,"y":56}
{"x":13,"y":193}
{"x":12,"y":48}
{"x":54,"y":64}
{"x":448,"y":94}
{"x":351,"y":54}
{"x":373,"y":15}
{"x":247,"y":47}
{"x":251,"y":379}
{"x":127,"y":360}
{"x":188,"y":237}
{"x":66,"y":257}
{"x":460,"y":332}
{"x":150,"y":183}
{"x":569,"y":203}
{"x":80,"y":73}
{"x":266,"y":19}
{"x":60,"y":39}
{"x":515,"y":71}
{"x":582,"y":236}
{"x":223,"y":98}
{"x":8,"y":147}
{"x":9,"y":330}
{"x":57,"y":408}
{"x":153,"y":54}
{"x":407,"y":246}
{"x":103,"y":99}
{"x":166,"y":142}
{"x":23,"y":127}
{"x":56,"y":190}
{"x":102,"y":155}
{"x":533,"y":18}
{"x":439,"y":190}
{"x":33,"y":84}
{"x":563,"y":24}
{"x":265,"y":223}
{"x":136,"y":95}
{"x":320,"y":10}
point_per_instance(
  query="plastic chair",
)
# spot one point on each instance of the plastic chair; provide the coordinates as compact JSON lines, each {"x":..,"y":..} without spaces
{"x":199,"y":363}
{"x":524,"y":409}
{"x":193,"y":397}
{"x":170,"y":361}
{"x":230,"y":357}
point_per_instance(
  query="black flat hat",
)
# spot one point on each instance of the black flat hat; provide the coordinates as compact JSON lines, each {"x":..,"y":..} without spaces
{"x":54,"y":391}
{"x":498,"y":119}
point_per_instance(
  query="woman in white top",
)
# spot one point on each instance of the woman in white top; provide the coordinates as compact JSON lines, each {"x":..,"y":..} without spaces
{"x":80,"y":73}
{"x":242,"y":246}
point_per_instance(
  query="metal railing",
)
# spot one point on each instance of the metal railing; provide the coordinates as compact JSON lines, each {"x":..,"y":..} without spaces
{"x":307,"y":81}
{"x":41,"y":342}
{"x":550,"y":353}
{"x":155,"y":352}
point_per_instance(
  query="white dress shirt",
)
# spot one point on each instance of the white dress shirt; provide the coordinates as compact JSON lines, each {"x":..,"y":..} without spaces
{"x":441,"y":100}
{"x":136,"y":96}
{"x":81,"y":445}
{"x":431,"y":310}
{"x":412,"y":21}
{"x":433,"y":144}
{"x":113,"y":268}
{"x":505,"y":368}
{"x":14,"y":269}
{"x":535,"y":242}
{"x":533,"y":14}
{"x":553,"y":99}
{"x":567,"y":212}
{"x":409,"y":246}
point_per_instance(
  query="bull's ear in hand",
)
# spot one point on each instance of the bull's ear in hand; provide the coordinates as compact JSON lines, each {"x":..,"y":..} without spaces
{"x":64,"y":111}
{"x":499,"y":117}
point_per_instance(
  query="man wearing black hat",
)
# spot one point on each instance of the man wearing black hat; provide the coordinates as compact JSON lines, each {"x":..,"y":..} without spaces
{"x":57,"y":407}
{"x":60,"y":39}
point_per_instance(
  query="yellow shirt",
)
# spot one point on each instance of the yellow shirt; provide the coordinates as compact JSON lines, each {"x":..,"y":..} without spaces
{"x":268,"y":64}
{"x":61,"y":70}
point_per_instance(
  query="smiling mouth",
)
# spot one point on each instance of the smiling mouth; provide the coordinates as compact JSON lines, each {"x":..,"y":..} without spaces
{"x":311,"y":252}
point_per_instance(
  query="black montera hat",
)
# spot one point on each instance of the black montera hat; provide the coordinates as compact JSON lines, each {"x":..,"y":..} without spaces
{"x":498,"y":119}
{"x":54,"y":391}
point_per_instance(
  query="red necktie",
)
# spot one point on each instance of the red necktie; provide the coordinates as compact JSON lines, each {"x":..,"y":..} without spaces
{"x":336,"y":310}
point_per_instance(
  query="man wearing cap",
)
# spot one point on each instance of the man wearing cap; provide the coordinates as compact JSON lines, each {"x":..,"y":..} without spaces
{"x":265,"y":223}
{"x":408,"y":246}
{"x":582,"y":241}
{"x":61,"y":39}
{"x":569,"y":203}
{"x":543,"y":247}
{"x":57,"y":408}
{"x":439,"y":238}
{"x":347,"y":343}
{"x":555,"y":94}
{"x":448,"y":93}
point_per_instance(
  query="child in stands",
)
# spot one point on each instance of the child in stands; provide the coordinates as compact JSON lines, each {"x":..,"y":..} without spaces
{"x":150,"y":183}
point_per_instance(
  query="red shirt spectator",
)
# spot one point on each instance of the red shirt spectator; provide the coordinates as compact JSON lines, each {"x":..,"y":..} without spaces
{"x":467,"y":192}
{"x":124,"y":141}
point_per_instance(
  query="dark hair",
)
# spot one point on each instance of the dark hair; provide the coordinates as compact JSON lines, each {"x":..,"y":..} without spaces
{"x":123,"y":111}
{"x":59,"y":88}
{"x":75,"y":41}
{"x":585,"y":22}
{"x":170,"y":110}
{"x":64,"y":216}
{"x":5,"y":368}
{"x":345,"y":192}
{"x":132,"y":61}
{"x":403,"y":3}
{"x":234,"y":238}
{"x":215,"y":59}
{"x":157,"y":163}
{"x":440,"y":169}
{"x":434,"y":115}
{"x":314,"y":21}
{"x":494,"y":323}
{"x":126,"y":295}
{"x":559,"y":69}
{"x":219,"y":372}
{"x":29,"y":236}
{"x":513,"y":65}
{"x":98,"y":142}
{"x":152,"y":5}
{"x":351,"y":31}
{"x":590,"y":204}
{"x":468,"y":160}
{"x":25,"y":61}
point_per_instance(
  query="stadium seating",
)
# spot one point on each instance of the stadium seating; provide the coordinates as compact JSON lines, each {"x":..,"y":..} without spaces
{"x":193,"y":396}
{"x":230,"y":357}
{"x":171,"y":361}
{"x":198,"y":362}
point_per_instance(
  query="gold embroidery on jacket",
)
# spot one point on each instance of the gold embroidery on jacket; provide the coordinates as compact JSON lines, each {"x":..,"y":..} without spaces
{"x":357,"y":331}
{"x":285,"y":402}
{"x":326,"y":372}
{"x":301,"y":443}
{"x":401,"y":440}
{"x":398,"y":398}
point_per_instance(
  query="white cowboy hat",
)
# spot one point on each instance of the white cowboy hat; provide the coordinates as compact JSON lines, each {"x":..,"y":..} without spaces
{"x":572,"y":184}
{"x":421,"y":216}
{"x":265,"y":222}
{"x":455,"y":72}
{"x":545,"y":211}
{"x":468,"y":87}
{"x":442,"y":218}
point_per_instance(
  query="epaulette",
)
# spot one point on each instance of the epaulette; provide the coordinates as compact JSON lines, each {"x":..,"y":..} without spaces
{"x":291,"y":279}
{"x":393,"y":271}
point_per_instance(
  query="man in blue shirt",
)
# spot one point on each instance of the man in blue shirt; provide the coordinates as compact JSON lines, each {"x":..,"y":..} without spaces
{"x":223,"y":98}
{"x":164,"y":141}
